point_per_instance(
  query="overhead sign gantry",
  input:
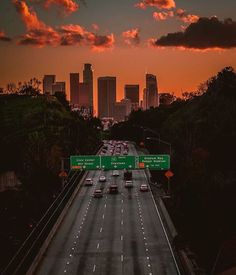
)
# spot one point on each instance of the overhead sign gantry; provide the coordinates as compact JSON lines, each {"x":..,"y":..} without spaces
{"x":152,"y":162}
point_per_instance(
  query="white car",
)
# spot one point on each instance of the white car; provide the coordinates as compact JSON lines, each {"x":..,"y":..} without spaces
{"x":102,"y":178}
{"x":88,"y":182}
{"x":128,"y":184}
{"x":115,"y":173}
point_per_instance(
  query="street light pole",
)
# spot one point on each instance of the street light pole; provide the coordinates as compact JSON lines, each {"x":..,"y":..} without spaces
{"x":161,"y":141}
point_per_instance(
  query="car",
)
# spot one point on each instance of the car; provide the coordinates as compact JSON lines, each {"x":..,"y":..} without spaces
{"x":98,"y":193}
{"x":128,"y":184}
{"x":115,"y":173}
{"x":113,"y":189}
{"x":143,"y":188}
{"x":88,"y":182}
{"x":102,"y":178}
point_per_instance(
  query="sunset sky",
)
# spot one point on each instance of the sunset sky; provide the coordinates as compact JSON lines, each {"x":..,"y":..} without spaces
{"x":182,"y":42}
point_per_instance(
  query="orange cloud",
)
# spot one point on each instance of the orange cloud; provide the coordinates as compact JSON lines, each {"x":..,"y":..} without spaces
{"x":4,"y":37}
{"x":160,"y":4}
{"x":39,"y":34}
{"x":160,"y":16}
{"x":132,"y":36}
{"x":185,"y":17}
{"x":28,"y":16}
{"x":68,"y":5}
{"x":178,"y":13}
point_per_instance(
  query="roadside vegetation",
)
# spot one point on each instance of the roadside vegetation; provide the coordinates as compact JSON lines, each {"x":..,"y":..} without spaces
{"x":201,"y":128}
{"x":37,"y":133}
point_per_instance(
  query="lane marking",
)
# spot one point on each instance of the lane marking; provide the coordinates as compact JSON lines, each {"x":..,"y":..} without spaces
{"x":98,"y":245}
{"x":122,"y":258}
{"x":103,"y":216}
{"x":121,"y":237}
{"x":94,"y":268}
{"x":100,"y":229}
{"x":122,"y":222}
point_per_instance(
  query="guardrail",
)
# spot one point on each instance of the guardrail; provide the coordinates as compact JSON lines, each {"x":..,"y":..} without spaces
{"x":25,"y":255}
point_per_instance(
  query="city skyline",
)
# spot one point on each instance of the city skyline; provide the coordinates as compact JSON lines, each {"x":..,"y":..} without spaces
{"x":127,"y":45}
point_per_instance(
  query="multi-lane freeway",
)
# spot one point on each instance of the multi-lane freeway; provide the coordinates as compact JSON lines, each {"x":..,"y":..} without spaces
{"x":115,"y":234}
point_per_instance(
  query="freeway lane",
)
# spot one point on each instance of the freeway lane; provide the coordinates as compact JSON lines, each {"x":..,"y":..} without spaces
{"x":116,"y":234}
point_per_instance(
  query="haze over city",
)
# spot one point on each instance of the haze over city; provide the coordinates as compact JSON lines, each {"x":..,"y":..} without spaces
{"x":125,"y":39}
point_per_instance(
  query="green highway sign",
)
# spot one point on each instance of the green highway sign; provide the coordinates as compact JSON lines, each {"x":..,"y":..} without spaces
{"x":118,"y":162}
{"x":154,"y":162}
{"x":85,"y":162}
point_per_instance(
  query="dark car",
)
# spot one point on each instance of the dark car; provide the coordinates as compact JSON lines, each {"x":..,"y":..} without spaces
{"x":143,"y":188}
{"x":98,"y":193}
{"x":113,"y":189}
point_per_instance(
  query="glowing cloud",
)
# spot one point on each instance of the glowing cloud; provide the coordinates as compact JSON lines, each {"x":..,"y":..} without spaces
{"x":69,"y":6}
{"x":39,"y":34}
{"x":185,"y":17}
{"x":3,"y":37}
{"x":219,"y":34}
{"x":28,"y":16}
{"x":178,"y":13}
{"x":160,"y":16}
{"x":132,"y":36}
{"x":160,"y":4}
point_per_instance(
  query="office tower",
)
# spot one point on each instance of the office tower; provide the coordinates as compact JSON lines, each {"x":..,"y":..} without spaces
{"x":59,"y":87}
{"x":106,"y":96}
{"x":48,"y":80}
{"x":144,"y":105}
{"x":152,"y":91}
{"x":84,"y":99}
{"x":132,"y":93}
{"x":122,"y":109}
{"x":74,"y":88}
{"x":88,"y":80}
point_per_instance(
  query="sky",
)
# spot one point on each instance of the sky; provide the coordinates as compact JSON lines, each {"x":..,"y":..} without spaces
{"x":182,"y":42}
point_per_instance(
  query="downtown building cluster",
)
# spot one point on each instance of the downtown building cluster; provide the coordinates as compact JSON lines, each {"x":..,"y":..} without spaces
{"x":82,"y":94}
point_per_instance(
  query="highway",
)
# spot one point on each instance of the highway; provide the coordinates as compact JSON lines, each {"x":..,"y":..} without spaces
{"x":116,"y":234}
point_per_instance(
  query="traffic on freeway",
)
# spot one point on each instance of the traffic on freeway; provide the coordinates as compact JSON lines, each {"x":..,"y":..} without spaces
{"x":112,"y":226}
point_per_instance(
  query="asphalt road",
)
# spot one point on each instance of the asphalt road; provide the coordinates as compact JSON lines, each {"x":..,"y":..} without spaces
{"x":116,"y":234}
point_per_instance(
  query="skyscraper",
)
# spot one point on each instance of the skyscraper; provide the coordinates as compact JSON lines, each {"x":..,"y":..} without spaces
{"x":152,"y":91}
{"x":88,"y":80}
{"x":74,"y":88}
{"x":106,"y":96}
{"x":59,"y":87}
{"x":84,"y":99}
{"x":48,"y":81}
{"x":132,"y":93}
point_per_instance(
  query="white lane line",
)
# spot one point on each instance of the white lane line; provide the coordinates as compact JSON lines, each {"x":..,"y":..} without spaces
{"x":100,"y":229}
{"x":94,"y":268}
{"x":65,"y":271}
{"x":68,"y":263}
{"x":164,"y":230}
{"x":122,"y":222}
{"x":98,"y":245}
{"x":103,"y":216}
{"x":122,"y":210}
{"x":122,"y":258}
{"x":105,"y":205}
{"x":121,"y":237}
